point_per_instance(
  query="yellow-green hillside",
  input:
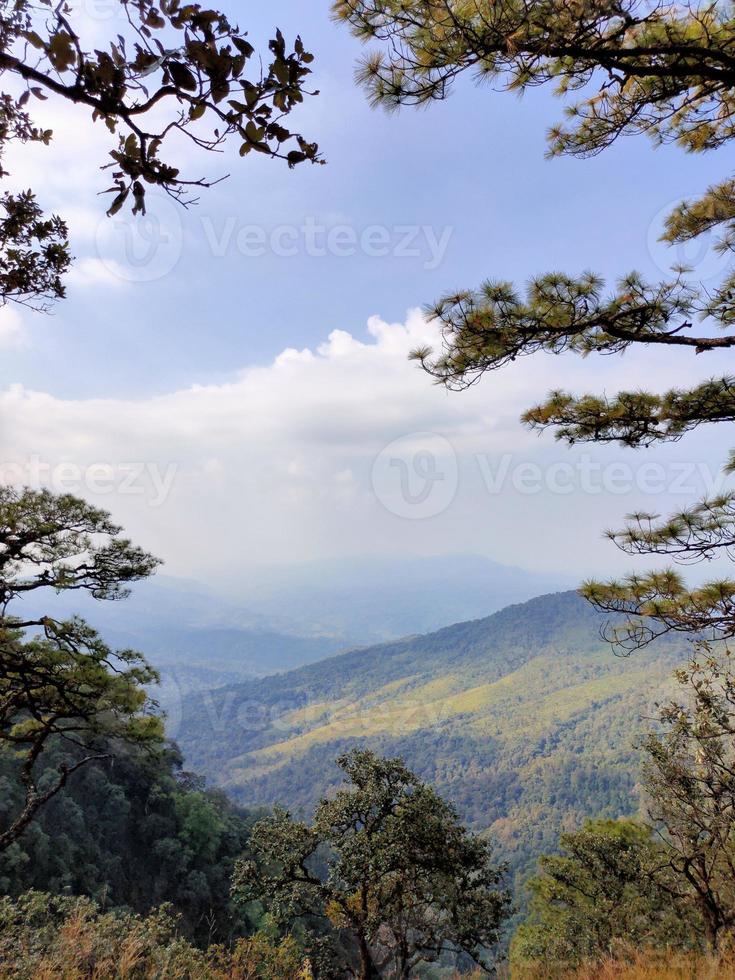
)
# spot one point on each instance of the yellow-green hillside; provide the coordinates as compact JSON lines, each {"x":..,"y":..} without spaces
{"x":526,"y":719}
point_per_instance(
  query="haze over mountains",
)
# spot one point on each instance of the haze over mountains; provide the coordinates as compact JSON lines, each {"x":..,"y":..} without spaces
{"x":204,"y":636}
{"x":525,"y":719}
{"x":519,"y":712}
{"x":368,"y":600}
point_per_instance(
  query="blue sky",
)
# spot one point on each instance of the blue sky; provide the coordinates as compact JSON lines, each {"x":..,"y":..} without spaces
{"x":128,"y":370}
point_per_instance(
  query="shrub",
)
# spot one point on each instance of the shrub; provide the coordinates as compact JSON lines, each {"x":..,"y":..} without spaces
{"x":46,"y":937}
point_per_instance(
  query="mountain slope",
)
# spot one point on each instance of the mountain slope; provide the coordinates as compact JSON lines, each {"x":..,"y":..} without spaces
{"x":524,"y":719}
{"x":196,"y":639}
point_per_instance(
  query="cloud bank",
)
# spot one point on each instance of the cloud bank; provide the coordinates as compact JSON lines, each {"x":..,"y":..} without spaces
{"x":345,"y":449}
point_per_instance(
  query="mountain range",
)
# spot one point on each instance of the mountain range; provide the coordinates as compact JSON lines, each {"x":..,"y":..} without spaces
{"x":201,"y":636}
{"x":376,"y":598}
{"x":525,"y":719}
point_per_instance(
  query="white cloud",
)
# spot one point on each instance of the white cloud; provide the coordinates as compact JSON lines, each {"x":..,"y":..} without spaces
{"x":92,"y":272}
{"x":278,"y":463}
{"x":12,"y":329}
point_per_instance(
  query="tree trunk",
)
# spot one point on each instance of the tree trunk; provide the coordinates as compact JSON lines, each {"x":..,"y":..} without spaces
{"x":368,"y":970}
{"x":712,"y":923}
{"x":404,"y":961}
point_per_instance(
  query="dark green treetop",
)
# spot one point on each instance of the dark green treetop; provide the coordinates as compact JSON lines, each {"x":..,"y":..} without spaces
{"x":385,"y":870}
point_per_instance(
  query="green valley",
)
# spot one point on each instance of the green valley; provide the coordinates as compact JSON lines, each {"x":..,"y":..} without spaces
{"x":526,"y":720}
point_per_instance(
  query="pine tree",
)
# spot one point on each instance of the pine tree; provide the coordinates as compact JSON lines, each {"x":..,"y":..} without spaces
{"x":59,"y":681}
{"x":666,"y":71}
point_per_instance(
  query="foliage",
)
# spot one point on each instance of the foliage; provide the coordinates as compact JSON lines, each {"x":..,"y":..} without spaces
{"x":186,"y":59}
{"x":34,"y":252}
{"x":59,"y":542}
{"x":671,"y":67}
{"x":71,"y":687}
{"x":169,"y":71}
{"x":605,"y":888}
{"x":405,"y":882}
{"x":658,"y":603}
{"x":689,"y":777}
{"x":43,"y":936}
{"x":58,"y":679}
{"x":135,"y":832}
{"x":667,"y":71}
{"x":665,"y":886}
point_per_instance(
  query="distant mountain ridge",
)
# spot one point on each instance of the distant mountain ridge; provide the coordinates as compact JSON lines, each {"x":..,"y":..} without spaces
{"x":373,"y":599}
{"x":196,"y":639}
{"x":200,"y":637}
{"x":525,"y":719}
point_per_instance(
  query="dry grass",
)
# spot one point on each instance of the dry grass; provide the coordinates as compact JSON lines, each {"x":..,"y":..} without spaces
{"x":638,"y":965}
{"x":44,"y":937}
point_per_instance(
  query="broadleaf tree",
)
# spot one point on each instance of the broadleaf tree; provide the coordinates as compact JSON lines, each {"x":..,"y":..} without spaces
{"x":386,"y":876}
{"x":168,"y":72}
{"x":626,"y":67}
{"x":610,"y":885}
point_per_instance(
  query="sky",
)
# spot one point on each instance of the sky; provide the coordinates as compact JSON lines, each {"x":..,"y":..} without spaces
{"x":232,"y":380}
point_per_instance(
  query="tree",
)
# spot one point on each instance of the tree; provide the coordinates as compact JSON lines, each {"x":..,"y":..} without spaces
{"x":664,"y":70}
{"x":605,"y":887}
{"x":58,"y":679}
{"x":174,"y":71}
{"x":386,"y":869}
{"x":34,"y":251}
{"x":60,"y":543}
{"x":134,"y":831}
{"x":689,"y":777}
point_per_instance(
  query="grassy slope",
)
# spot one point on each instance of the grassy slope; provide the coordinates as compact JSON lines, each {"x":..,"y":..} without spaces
{"x":525,"y":719}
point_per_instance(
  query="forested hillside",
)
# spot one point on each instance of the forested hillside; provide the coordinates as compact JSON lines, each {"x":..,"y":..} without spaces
{"x":134,"y":832}
{"x":525,"y":719}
